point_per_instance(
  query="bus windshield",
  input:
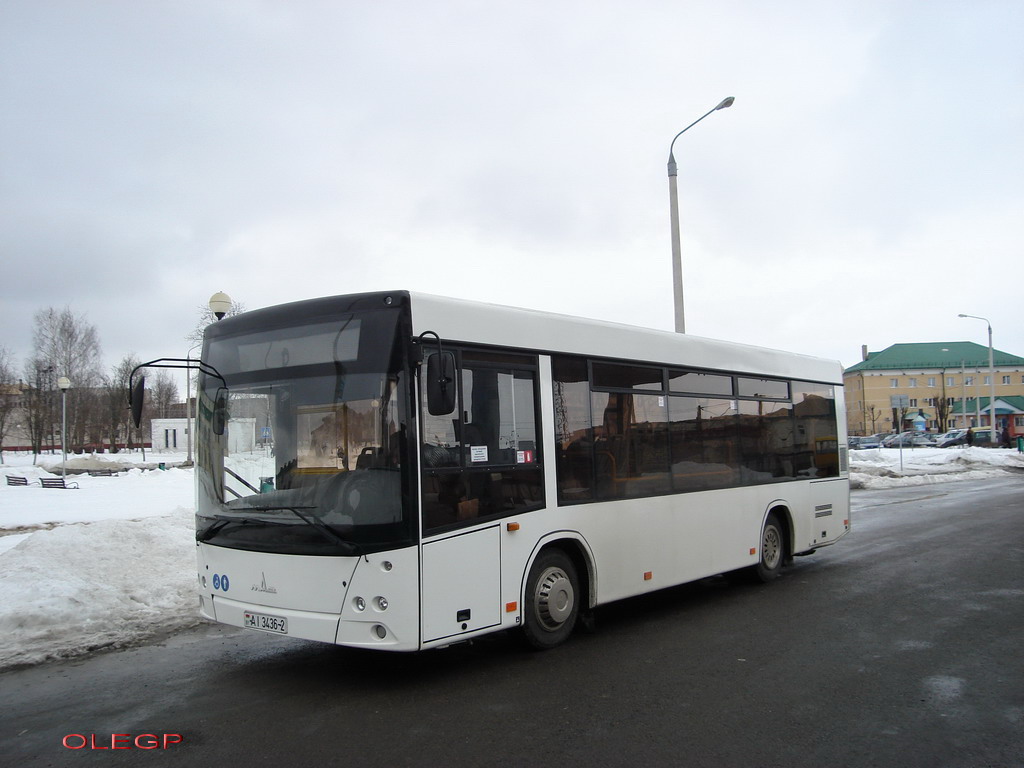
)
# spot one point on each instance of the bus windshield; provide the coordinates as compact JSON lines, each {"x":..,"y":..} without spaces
{"x":301,"y":439}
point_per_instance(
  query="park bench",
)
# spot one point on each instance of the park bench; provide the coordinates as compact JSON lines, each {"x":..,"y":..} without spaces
{"x":56,"y":482}
{"x":102,"y":473}
{"x":15,"y":480}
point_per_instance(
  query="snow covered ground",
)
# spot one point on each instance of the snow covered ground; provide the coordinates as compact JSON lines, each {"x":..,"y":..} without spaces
{"x":113,"y":563}
{"x":885,"y":468}
{"x":104,"y":565}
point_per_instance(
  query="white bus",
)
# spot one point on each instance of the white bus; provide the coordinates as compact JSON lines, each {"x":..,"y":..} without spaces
{"x":424,"y":470}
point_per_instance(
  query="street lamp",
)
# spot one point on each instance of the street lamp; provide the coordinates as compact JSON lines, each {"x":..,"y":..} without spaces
{"x":963,"y":393}
{"x":220,"y":304}
{"x":63,"y":383}
{"x":991,"y":378}
{"x":673,"y":199}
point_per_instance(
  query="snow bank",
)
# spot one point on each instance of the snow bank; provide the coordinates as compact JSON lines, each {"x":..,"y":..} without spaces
{"x":85,"y":586}
{"x":107,"y":565}
{"x":881,"y":467}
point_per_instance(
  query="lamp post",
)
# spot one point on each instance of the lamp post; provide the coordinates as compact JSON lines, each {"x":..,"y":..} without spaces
{"x":963,"y":393}
{"x":991,"y":378}
{"x":63,"y":383}
{"x":673,"y":199}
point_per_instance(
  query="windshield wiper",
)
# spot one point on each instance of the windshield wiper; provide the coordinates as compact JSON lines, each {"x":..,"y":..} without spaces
{"x":221,"y":520}
{"x":311,"y":520}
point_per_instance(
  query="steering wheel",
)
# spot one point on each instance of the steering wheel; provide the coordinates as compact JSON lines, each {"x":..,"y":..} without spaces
{"x":354,"y":493}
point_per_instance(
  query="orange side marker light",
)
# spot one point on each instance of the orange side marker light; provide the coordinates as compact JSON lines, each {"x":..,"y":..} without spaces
{"x":511,"y":607}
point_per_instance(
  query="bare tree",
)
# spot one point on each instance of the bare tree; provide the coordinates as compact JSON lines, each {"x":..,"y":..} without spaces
{"x":115,"y":398}
{"x":164,"y":392}
{"x":899,"y":415}
{"x":90,"y":424}
{"x":941,"y":412}
{"x":9,"y":395}
{"x":68,"y":345}
{"x":874,"y":414}
{"x":38,"y":404}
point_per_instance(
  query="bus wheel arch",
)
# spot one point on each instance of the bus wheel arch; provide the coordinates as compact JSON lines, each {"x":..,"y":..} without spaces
{"x":557,"y":592}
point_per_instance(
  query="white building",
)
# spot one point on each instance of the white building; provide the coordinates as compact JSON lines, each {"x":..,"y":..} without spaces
{"x":169,"y":434}
{"x":172,"y":435}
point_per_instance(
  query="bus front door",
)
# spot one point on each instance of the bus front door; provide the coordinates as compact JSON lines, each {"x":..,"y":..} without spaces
{"x":461,"y":584}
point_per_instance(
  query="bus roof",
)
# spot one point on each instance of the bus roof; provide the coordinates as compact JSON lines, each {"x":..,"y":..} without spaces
{"x":481,"y":323}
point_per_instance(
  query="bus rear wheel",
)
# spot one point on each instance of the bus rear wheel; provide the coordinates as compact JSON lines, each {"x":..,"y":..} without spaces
{"x":773,"y":550}
{"x":552,"y":600}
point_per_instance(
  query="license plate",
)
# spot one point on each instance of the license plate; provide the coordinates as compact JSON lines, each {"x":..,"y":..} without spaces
{"x":266,"y":623}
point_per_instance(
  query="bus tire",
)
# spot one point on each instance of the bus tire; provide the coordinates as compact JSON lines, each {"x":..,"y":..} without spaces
{"x":552,"y":600}
{"x":772,"y":551}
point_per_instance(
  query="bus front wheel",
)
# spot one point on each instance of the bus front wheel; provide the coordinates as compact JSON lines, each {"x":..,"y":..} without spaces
{"x":552,"y":600}
{"x":773,"y":550}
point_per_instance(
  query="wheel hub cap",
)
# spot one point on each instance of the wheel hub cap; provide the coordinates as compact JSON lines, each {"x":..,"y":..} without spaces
{"x":772,"y":547}
{"x":555,"y":598}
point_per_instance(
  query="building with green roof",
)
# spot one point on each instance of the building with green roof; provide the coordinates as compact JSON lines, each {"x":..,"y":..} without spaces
{"x":947,"y":382}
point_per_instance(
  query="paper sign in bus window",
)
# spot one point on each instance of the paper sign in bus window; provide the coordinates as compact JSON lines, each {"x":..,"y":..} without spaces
{"x":478,"y":453}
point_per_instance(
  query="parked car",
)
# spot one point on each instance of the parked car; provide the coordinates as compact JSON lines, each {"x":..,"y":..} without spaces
{"x":983,"y":437}
{"x":910,"y":440}
{"x":951,"y":438}
{"x":896,"y":439}
{"x":862,"y":443}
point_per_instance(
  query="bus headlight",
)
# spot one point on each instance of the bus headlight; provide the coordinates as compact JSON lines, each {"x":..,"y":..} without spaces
{"x":382,"y":603}
{"x":360,"y":604}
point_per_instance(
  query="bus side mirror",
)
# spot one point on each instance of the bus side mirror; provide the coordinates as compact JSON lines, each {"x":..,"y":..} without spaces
{"x":135,"y":399}
{"x":440,"y":383}
{"x":220,"y":412}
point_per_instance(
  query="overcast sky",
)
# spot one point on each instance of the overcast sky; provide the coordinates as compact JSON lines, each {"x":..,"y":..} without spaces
{"x":867,"y":185}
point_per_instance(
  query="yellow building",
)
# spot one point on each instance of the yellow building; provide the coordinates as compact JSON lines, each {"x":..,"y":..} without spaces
{"x":949,"y":383}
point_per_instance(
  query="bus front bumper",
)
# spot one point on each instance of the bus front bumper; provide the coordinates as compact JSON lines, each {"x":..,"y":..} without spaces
{"x":371,"y":601}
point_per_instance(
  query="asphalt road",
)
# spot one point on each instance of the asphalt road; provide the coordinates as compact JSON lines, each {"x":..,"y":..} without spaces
{"x":900,"y":646}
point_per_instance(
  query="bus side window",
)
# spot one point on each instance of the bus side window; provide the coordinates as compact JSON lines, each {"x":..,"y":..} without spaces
{"x":574,"y":436}
{"x":631,"y":445}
